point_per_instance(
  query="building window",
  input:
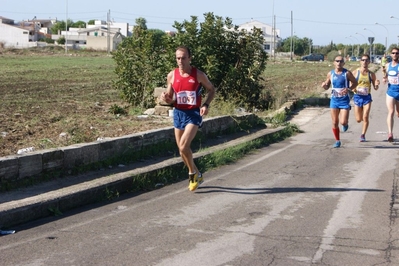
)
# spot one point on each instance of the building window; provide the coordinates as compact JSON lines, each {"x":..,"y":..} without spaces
{"x":266,"y":47}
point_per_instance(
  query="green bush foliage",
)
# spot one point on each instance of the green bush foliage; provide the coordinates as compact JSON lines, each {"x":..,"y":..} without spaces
{"x":233,"y":60}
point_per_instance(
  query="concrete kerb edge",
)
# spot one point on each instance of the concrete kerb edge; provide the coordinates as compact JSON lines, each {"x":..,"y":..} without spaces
{"x":44,"y":164}
{"x":36,"y":207}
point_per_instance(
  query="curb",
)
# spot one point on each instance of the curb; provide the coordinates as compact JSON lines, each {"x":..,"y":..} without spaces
{"x":51,"y":198}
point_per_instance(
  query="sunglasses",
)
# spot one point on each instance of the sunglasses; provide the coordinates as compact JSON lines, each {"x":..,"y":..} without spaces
{"x":366,"y":60}
{"x":394,"y":53}
{"x":339,"y":61}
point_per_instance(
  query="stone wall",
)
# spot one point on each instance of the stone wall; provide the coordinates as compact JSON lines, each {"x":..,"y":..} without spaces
{"x":17,"y":168}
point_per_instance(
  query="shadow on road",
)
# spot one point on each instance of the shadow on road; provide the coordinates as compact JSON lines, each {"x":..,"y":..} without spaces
{"x":254,"y":191}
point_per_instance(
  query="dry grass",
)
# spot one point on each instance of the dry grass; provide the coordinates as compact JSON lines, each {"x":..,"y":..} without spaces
{"x":45,"y":95}
{"x":49,"y":99}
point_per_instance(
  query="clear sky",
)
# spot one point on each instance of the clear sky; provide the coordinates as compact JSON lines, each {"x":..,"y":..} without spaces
{"x":323,"y":21}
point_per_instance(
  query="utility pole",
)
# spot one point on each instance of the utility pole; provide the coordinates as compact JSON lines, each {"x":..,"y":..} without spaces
{"x":292,"y":37}
{"x":272,"y":49}
{"x":108,"y":31}
{"x":66,"y":29}
{"x":274,"y":37}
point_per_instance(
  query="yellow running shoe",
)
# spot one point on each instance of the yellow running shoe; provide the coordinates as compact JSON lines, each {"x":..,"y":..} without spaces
{"x":193,"y":181}
{"x":200,"y":179}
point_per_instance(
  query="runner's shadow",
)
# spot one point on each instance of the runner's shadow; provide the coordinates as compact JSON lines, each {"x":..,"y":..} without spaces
{"x":254,"y":191}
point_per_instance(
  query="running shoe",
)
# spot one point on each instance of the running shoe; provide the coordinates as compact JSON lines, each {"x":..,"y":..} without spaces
{"x":345,"y":128}
{"x":390,"y":138}
{"x":337,"y":144}
{"x":200,"y":179}
{"x":193,"y":181}
{"x":362,"y":138}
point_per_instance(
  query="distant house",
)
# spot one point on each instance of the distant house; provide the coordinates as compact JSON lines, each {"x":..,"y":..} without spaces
{"x":96,"y":36}
{"x":14,"y":36}
{"x":99,"y":38}
{"x":23,"y":34}
{"x":272,"y":37}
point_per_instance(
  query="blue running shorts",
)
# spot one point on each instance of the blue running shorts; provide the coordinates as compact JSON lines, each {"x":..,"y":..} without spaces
{"x":181,"y":118}
{"x":393,"y":93}
{"x":362,"y":100}
{"x":340,"y":102}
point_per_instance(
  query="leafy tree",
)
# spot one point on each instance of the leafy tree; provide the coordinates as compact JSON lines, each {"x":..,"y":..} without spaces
{"x":61,"y":40}
{"x":297,"y":43}
{"x":47,"y":40}
{"x":78,"y":24}
{"x":60,"y":26}
{"x":379,"y":49}
{"x":91,"y":22}
{"x":141,"y":66}
{"x":234,"y":60}
{"x":141,"y":23}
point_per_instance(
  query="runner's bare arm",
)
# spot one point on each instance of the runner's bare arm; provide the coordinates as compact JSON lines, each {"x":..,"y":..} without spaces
{"x":167,"y":96}
{"x":375,"y":81}
{"x":210,"y":89}
{"x":326,"y":84}
{"x":353,"y":81}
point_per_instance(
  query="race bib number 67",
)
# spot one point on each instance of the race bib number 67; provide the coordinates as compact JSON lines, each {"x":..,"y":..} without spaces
{"x":186,"y":97}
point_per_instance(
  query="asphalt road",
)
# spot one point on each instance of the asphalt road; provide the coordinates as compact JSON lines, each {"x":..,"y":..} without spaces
{"x":297,"y":202}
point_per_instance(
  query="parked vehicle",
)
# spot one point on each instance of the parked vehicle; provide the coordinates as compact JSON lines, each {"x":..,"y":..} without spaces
{"x":313,"y":57}
{"x":352,"y":58}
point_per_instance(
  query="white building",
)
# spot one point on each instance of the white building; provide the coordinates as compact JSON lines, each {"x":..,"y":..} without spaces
{"x":14,"y":36}
{"x":96,"y":37}
{"x":272,"y":37}
{"x":23,"y":34}
{"x":100,"y":38}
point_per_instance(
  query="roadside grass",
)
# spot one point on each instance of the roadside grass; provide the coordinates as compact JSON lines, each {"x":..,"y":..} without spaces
{"x":176,"y":173}
{"x":50,"y":99}
{"x":46,"y":94}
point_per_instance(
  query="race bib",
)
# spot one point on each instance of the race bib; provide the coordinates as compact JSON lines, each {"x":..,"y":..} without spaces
{"x":362,"y":91}
{"x":393,"y":80}
{"x":339,"y":92}
{"x":186,"y":97}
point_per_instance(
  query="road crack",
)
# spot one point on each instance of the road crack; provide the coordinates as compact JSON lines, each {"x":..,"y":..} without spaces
{"x":393,"y":214}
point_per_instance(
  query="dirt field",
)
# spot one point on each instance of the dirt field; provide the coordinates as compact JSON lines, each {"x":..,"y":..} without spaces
{"x":50,"y":99}
{"x":53,"y":100}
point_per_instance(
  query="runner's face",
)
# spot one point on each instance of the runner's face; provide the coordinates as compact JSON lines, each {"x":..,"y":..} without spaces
{"x":364,"y":61}
{"x":182,"y":58}
{"x":338,"y":62}
{"x":395,"y":55}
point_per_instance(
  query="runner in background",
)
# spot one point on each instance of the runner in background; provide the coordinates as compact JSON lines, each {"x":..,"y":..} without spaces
{"x":342,"y":81}
{"x":362,"y":98}
{"x":391,"y":76}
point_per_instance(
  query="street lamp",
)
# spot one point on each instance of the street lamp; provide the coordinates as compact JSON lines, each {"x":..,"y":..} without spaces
{"x":351,"y":46}
{"x":397,"y":19}
{"x":358,"y":47}
{"x":362,"y":35}
{"x":386,"y":38}
{"x":370,"y":31}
